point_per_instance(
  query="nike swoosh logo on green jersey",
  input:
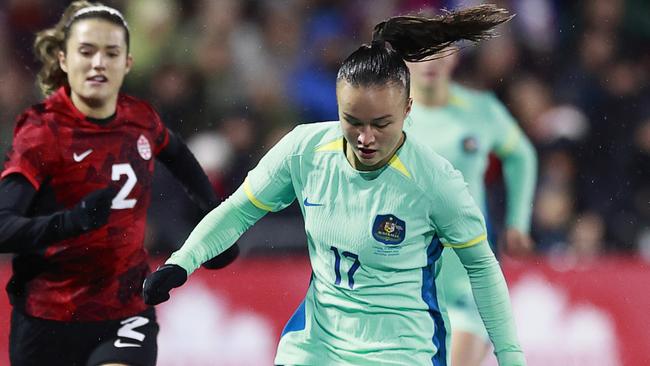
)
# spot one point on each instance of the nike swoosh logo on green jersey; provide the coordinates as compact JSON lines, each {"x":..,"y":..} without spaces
{"x":307,"y":203}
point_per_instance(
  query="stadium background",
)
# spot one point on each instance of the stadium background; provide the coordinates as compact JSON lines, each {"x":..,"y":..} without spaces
{"x":232,"y":76}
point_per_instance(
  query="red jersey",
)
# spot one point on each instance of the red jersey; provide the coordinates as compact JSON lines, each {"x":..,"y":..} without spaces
{"x":97,"y":275}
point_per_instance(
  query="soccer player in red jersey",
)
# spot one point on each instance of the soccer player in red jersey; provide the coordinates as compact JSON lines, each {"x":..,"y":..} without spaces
{"x":73,"y":200}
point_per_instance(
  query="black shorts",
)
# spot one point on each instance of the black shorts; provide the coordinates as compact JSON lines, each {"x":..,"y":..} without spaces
{"x":36,"y":342}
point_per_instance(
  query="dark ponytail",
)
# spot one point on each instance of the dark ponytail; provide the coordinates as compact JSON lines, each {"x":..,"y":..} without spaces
{"x":415,"y":38}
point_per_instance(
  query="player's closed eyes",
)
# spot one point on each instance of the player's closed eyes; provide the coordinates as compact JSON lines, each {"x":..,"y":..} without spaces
{"x":86,"y":51}
{"x":356,"y":123}
{"x":353,"y":122}
{"x":382,"y":125}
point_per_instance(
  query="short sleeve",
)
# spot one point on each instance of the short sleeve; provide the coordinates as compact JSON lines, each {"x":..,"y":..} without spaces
{"x":456,"y":217}
{"x":269,"y":185}
{"x":34,"y":152}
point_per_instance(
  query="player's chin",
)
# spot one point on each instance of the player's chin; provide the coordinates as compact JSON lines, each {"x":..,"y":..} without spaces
{"x":98,"y":98}
{"x":100,"y":89}
{"x":369,"y":164}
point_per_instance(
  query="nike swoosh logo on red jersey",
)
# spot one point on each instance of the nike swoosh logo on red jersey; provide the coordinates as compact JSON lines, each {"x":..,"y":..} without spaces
{"x":81,"y":156}
{"x":119,"y":344}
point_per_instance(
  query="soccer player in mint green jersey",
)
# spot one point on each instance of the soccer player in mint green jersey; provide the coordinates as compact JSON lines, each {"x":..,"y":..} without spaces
{"x":379,"y":207}
{"x":465,"y":126}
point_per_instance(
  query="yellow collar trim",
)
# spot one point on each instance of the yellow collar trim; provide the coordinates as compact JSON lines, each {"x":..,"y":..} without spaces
{"x":397,"y":164}
{"x":457,"y":101}
{"x":336,"y":145}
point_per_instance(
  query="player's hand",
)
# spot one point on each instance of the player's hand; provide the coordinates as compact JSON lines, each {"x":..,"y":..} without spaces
{"x":223,"y":259}
{"x":93,"y":210}
{"x":157,"y":285}
{"x":518,"y":243}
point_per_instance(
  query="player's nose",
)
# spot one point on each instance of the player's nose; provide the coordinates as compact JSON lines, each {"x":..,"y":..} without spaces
{"x":99,"y":61}
{"x":366,"y":135}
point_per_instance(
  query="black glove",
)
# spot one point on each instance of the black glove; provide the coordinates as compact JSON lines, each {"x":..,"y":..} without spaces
{"x":157,"y":285}
{"x":93,"y":210}
{"x":223,"y":259}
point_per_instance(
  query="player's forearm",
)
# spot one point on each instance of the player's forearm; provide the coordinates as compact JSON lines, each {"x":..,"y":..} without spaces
{"x":491,"y":296}
{"x":18,"y":233}
{"x":180,"y":161}
{"x":217,"y":231}
{"x":520,"y":174}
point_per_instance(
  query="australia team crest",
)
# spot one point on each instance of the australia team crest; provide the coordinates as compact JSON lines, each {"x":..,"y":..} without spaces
{"x":389,"y":229}
{"x":144,"y":148}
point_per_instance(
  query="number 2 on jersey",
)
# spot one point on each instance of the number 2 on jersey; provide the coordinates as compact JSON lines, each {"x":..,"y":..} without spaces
{"x":337,"y":266}
{"x":120,"y":201}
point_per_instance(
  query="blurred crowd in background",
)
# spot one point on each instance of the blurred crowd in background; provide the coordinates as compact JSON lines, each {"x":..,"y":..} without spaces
{"x":232,"y":76}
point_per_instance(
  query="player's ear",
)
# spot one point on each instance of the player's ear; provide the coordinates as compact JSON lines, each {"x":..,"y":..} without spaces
{"x":62,"y":61}
{"x":129,"y":63}
{"x":407,"y":109}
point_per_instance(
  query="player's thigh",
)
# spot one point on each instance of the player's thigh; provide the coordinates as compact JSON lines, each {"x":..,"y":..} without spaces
{"x":131,"y":341}
{"x":467,"y":349}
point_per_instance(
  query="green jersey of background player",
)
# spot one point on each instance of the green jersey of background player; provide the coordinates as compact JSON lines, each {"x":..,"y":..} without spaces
{"x":378,"y":209}
{"x":465,"y":126}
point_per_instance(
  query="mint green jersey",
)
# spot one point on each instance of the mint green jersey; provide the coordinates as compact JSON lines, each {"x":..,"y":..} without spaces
{"x":374,"y":241}
{"x":465,"y":131}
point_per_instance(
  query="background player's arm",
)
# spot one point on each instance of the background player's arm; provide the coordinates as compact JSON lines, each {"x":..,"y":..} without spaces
{"x":180,"y":161}
{"x":20,"y":234}
{"x":519,"y":161}
{"x":520,"y":175}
